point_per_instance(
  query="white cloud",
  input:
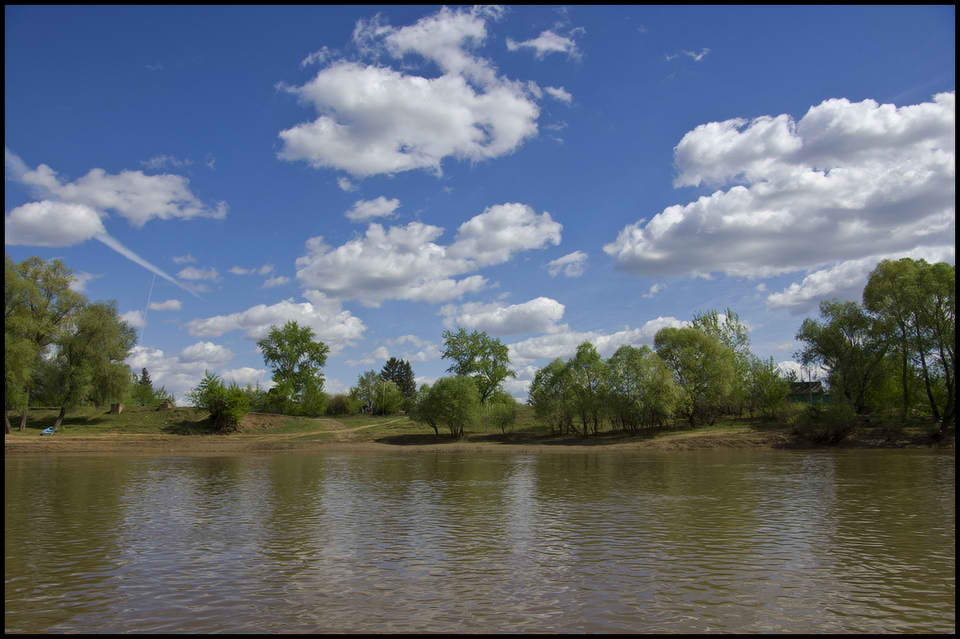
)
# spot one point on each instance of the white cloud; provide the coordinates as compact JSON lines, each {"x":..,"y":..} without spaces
{"x":247,"y":375}
{"x":559,"y":94}
{"x":194,"y":273}
{"x":160,"y":161}
{"x":318,"y":57}
{"x":848,"y":181}
{"x":804,"y":373}
{"x":423,"y":350}
{"x":346,"y":185}
{"x":845,"y":280}
{"x":239,"y":270}
{"x":334,"y":327}
{"x":52,"y":224}
{"x":373,"y":119}
{"x":369,"y":359}
{"x":572,"y":264}
{"x":280,"y":280}
{"x":169,"y":305}
{"x":185,"y":259}
{"x":761,"y":288}
{"x":536,"y":316}
{"x":786,"y":346}
{"x":368,"y":209}
{"x":697,"y":57}
{"x":557,"y":126}
{"x":176,"y":375}
{"x":405,"y":262}
{"x":81,"y":279}
{"x":134,"y":195}
{"x":656,"y":288}
{"x":134,"y":319}
{"x":546,"y":43}
{"x":206,"y":352}
{"x":564,"y":342}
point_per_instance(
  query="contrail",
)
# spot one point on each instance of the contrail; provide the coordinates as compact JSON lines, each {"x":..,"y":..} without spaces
{"x":149,"y":297}
{"x":127,"y":253}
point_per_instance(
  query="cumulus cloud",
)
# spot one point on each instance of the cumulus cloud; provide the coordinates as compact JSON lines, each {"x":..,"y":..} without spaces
{"x":546,"y":43}
{"x":318,"y":57}
{"x":572,"y":264}
{"x":346,"y":185}
{"x":134,"y":319}
{"x":536,"y":316}
{"x":405,"y":262}
{"x":194,"y":273}
{"x":132,"y":194}
{"x":206,"y":352}
{"x":247,"y":375}
{"x":845,"y":280}
{"x":81,"y":279}
{"x":656,"y":288}
{"x":369,"y":359}
{"x":846,"y":182}
{"x":263,"y":270}
{"x":368,"y":209}
{"x":564,"y":342}
{"x":279,"y":280}
{"x":559,"y":94}
{"x":376,"y":120}
{"x":422,"y":350}
{"x":169,"y":305}
{"x":177,"y":374}
{"x":336,"y":328}
{"x":52,"y":224}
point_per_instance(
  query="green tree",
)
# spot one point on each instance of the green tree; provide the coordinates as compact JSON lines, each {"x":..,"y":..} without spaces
{"x":226,"y":405}
{"x":588,"y":376}
{"x":479,"y":356}
{"x":551,"y":396}
{"x":142,"y":392}
{"x":703,"y":367}
{"x":850,"y":344}
{"x":457,"y":401}
{"x":296,"y":361}
{"x":731,"y":332}
{"x":39,"y":305}
{"x":427,"y":409}
{"x":400,"y":373}
{"x":89,"y":358}
{"x":934,"y":307}
{"x":766,"y":390}
{"x":500,"y":411}
{"x":641,"y":391}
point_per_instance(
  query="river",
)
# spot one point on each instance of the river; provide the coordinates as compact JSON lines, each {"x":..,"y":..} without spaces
{"x":698,"y":541}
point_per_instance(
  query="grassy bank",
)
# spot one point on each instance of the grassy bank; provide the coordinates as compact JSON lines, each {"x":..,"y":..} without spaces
{"x":183,"y":431}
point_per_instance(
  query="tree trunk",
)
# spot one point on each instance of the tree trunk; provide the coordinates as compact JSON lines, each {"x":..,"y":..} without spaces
{"x":926,"y":378}
{"x":23,"y":420}
{"x":7,"y":430}
{"x":906,"y":391}
{"x":56,"y":424}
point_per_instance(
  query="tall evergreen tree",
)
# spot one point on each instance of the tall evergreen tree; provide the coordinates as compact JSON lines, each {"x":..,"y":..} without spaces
{"x":400,"y":373}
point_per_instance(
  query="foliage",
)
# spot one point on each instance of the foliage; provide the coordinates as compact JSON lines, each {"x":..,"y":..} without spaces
{"x":341,"y":405}
{"x":500,"y":411}
{"x":480,"y":356}
{"x":400,"y":373}
{"x":456,"y":402}
{"x":825,"y":424}
{"x":767,"y":390}
{"x":551,"y":396}
{"x":727,"y":328}
{"x":226,"y":406}
{"x":296,"y":362}
{"x":703,"y":367}
{"x":850,"y":344}
{"x":427,"y":409}
{"x":641,"y":391}
{"x":588,"y":376}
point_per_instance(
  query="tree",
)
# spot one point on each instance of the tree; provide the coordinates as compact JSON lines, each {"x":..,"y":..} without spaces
{"x":588,"y":379}
{"x":427,"y":409}
{"x":551,"y":396}
{"x":226,"y":405}
{"x":500,"y":411}
{"x":767,"y":390}
{"x":727,"y":328}
{"x":295,"y":360}
{"x":480,"y":356}
{"x":39,"y":304}
{"x":849,"y":343}
{"x":400,"y":373}
{"x":640,"y":388}
{"x":702,"y":366}
{"x":89,"y":358}
{"x":457,"y":403}
{"x":143,"y":394}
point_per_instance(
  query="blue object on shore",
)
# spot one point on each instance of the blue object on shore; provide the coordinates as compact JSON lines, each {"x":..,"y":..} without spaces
{"x":47,"y":431}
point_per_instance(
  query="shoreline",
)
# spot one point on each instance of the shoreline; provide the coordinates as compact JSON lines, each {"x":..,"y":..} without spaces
{"x":158,"y":444}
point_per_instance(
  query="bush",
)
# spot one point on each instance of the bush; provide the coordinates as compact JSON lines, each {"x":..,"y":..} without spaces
{"x":825,"y":424}
{"x":342,"y":405}
{"x":501,"y":412}
{"x":227,"y":406}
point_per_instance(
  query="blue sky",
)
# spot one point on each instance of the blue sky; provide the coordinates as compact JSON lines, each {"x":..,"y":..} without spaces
{"x":546,"y":174}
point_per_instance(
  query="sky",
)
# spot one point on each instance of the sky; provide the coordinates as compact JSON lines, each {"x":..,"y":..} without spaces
{"x":548,"y":175}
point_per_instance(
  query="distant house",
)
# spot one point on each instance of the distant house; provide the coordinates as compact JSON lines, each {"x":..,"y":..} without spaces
{"x":808,"y":393}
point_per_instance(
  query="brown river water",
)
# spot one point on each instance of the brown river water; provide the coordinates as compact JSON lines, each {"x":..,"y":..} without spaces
{"x":698,"y":541}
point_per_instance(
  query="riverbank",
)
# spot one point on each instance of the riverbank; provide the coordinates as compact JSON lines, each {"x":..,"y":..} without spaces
{"x":184,"y":432}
